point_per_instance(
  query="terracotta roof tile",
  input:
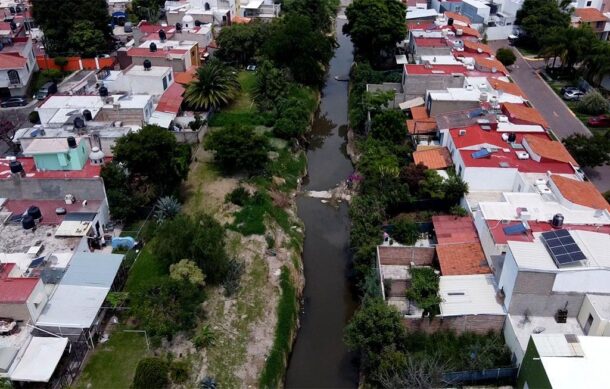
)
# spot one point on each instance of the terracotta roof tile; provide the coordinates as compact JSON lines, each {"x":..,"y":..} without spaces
{"x":419,"y":113}
{"x":580,"y":192}
{"x":462,"y":259}
{"x":437,"y":158}
{"x":524,"y":113}
{"x":468,"y":31}
{"x":549,"y":149}
{"x":507,"y":87}
{"x":458,"y":17}
{"x":589,"y":15}
{"x":426,"y":126}
{"x":9,"y":61}
{"x":454,"y":229}
{"x":488,"y":64}
{"x":475,"y":46}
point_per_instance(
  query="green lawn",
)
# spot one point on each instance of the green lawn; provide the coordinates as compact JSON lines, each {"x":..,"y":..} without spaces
{"x":146,"y":267}
{"x":113,"y":363}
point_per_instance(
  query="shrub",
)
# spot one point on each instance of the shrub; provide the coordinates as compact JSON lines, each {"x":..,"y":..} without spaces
{"x":180,"y":371}
{"x":506,"y":56}
{"x":61,"y":62}
{"x":593,"y":103}
{"x":151,"y":373}
{"x":389,"y":125}
{"x":424,"y":290}
{"x":238,"y":196}
{"x":34,"y":117}
{"x":458,"y":211}
{"x":238,"y":148}
{"x":204,"y":338}
{"x":235,"y":269}
{"x":405,"y":231}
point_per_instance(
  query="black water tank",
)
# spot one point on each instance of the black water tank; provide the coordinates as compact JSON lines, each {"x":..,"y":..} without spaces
{"x":78,"y":123}
{"x":13,"y":26}
{"x":512,"y":137}
{"x":28,"y":222}
{"x":162,"y":35}
{"x":152,"y":47}
{"x":71,"y":140}
{"x":178,"y":27}
{"x":147,"y":64}
{"x":103,"y":91}
{"x":34,"y":212}
{"x":450,"y":22}
{"x":16,"y":167}
{"x":198,"y":23}
{"x":87,"y":115}
{"x":557,"y":221}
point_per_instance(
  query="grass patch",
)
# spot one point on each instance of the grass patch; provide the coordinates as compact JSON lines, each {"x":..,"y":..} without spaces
{"x":250,"y":220}
{"x":289,"y":167}
{"x":113,"y":364}
{"x":195,"y":199}
{"x":145,"y":268}
{"x":287,"y":311}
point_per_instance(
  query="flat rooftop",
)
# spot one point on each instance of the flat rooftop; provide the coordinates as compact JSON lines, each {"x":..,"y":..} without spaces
{"x":525,"y":327}
{"x":14,"y":239}
{"x":155,"y":71}
{"x":469,"y":295}
{"x":104,"y":129}
{"x":29,"y":167}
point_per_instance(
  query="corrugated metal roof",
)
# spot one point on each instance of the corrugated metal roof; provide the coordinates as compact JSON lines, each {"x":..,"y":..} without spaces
{"x":469,"y":295}
{"x":88,"y":269}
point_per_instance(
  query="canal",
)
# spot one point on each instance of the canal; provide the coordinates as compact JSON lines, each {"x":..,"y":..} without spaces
{"x":320,"y":358}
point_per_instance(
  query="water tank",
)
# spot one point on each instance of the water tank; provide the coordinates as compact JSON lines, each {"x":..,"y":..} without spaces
{"x":512,"y":137}
{"x":505,"y":137}
{"x":450,"y":22}
{"x":557,"y":221}
{"x":198,"y":23}
{"x":96,"y":156}
{"x":71,"y":140}
{"x":60,"y":211}
{"x":78,"y":123}
{"x":28,"y":222}
{"x":162,"y":35}
{"x":152,"y":47}
{"x":103,"y":91}
{"x":147,"y":64}
{"x":16,"y":167}
{"x":34,"y":212}
{"x":87,"y":115}
{"x":178,"y":27}
{"x":128,"y":27}
{"x":13,"y":25}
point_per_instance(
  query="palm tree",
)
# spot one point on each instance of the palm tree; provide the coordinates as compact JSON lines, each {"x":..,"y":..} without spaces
{"x":216,"y":85}
{"x":597,"y":61}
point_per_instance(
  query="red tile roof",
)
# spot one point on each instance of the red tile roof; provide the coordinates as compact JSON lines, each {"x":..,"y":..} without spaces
{"x":454,"y":229}
{"x":507,"y":87}
{"x":468,"y":31}
{"x":590,"y":15}
{"x":240,"y":20}
{"x":549,"y":149}
{"x":458,"y":17}
{"x":580,"y":192}
{"x":171,"y":100}
{"x":10,"y":61}
{"x":424,"y":126}
{"x":489,"y":64}
{"x":477,"y":47}
{"x":460,"y":259}
{"x":29,"y":167}
{"x":437,"y":158}
{"x":431,"y":42}
{"x":419,"y":113}
{"x":521,"y":113}
{"x":185,"y":77}
{"x":15,"y":290}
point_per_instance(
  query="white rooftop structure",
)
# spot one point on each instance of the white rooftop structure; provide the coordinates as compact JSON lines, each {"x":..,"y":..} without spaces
{"x":169,"y":44}
{"x":417,"y":13}
{"x":48,"y":145}
{"x":469,"y":295}
{"x":39,"y":360}
{"x":440,"y":60}
{"x":476,"y":3}
{"x":580,"y":365}
{"x":512,"y":127}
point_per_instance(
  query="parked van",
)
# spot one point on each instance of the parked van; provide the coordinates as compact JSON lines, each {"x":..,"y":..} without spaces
{"x":47,"y":89}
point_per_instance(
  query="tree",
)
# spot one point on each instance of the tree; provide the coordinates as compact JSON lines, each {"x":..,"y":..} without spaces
{"x":86,"y":40}
{"x":61,"y":62}
{"x":375,"y":26}
{"x":166,"y":208}
{"x":424,"y":290}
{"x":270,"y":87}
{"x":199,"y":238}
{"x":164,"y":306}
{"x":187,"y":270}
{"x":238,"y":148}
{"x":154,"y":161}
{"x":151,"y":373}
{"x":293,"y":120}
{"x":34,"y":117}
{"x":432,"y":186}
{"x":593,"y":103}
{"x":320,"y":12}
{"x":61,"y":20}
{"x":596,"y":61}
{"x":589,"y":151}
{"x":239,"y":43}
{"x":389,"y":125}
{"x":537,"y":18}
{"x":413,"y":175}
{"x":423,"y":372}
{"x":147,"y":9}
{"x":405,"y":231}
{"x":123,"y":205}
{"x":506,"y":55}
{"x":455,"y":188}
{"x":296,"y":44}
{"x":215,"y":85}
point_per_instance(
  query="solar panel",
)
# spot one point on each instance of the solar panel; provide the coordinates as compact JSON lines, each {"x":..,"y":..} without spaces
{"x":481,"y":153}
{"x":562,"y":247}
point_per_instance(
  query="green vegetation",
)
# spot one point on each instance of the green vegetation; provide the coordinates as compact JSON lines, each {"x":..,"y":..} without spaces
{"x":589,"y":151}
{"x":250,"y":220}
{"x":506,"y":55}
{"x":151,"y":373}
{"x":240,"y":43}
{"x":238,"y":148}
{"x":147,"y":267}
{"x":593,"y":103}
{"x":215,"y":85}
{"x":405,"y":231}
{"x":287,"y":313}
{"x":424,"y":290}
{"x":106,"y":369}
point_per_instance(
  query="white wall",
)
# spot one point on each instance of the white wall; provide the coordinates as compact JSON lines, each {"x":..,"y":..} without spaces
{"x":598,"y":326}
{"x":38,"y":294}
{"x":512,"y":342}
{"x":489,"y":246}
{"x":583,"y":281}
{"x":489,"y":179}
{"x":498,"y":33}
{"x":508,"y":277}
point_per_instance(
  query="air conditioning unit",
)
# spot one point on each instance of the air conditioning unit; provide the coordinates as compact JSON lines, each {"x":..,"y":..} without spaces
{"x":522,"y":155}
{"x":69,"y":199}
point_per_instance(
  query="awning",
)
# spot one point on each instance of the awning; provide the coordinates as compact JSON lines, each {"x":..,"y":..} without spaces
{"x":39,"y":360}
{"x":416,"y":102}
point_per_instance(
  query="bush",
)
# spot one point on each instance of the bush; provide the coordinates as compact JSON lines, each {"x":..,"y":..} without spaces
{"x":238,"y":148}
{"x":180,"y":371}
{"x":389,"y":125}
{"x":204,"y":338}
{"x":405,"y":231}
{"x":506,"y":55}
{"x":61,"y":62}
{"x":34,"y":117}
{"x":238,"y":196}
{"x":593,"y":103}
{"x":424,"y":290}
{"x":235,"y":269}
{"x":151,"y":373}
{"x":457,"y":210}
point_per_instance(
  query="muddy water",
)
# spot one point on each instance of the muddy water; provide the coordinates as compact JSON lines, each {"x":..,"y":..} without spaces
{"x":319,"y":358}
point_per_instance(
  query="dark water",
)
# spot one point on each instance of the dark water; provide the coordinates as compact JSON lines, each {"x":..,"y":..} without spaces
{"x":320,"y":359}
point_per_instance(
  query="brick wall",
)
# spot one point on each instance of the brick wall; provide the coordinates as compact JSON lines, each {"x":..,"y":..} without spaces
{"x":480,"y":324}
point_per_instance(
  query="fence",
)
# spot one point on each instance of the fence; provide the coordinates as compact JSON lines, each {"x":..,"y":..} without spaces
{"x":505,"y":374}
{"x":76,"y":63}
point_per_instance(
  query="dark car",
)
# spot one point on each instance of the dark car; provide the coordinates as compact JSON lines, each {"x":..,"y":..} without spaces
{"x":14,"y":102}
{"x":599,"y":121}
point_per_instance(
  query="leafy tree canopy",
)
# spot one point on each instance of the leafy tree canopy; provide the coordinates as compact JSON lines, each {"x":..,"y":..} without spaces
{"x":593,"y":103}
{"x":506,"y":55}
{"x":270,"y":87}
{"x":389,"y":125}
{"x":589,"y":151}
{"x":405,"y":231}
{"x":537,"y":17}
{"x":240,"y":43}
{"x":151,"y":373}
{"x":214,"y":86}
{"x":238,"y":148}
{"x":187,"y":270}
{"x":424,"y":290}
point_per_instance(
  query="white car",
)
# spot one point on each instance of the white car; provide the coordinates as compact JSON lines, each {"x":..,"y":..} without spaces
{"x":573,"y":95}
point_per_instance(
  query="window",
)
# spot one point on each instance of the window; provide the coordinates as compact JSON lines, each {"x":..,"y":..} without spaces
{"x":589,"y":3}
{"x":169,"y":76}
{"x":460,"y":170}
{"x":588,"y":324}
{"x":600,"y":24}
{"x":164,"y":83}
{"x":13,"y":77}
{"x":207,"y":6}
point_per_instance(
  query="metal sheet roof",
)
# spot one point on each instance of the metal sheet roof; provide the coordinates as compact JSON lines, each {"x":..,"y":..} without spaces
{"x":88,"y":269}
{"x":469,"y":295}
{"x":40,"y":359}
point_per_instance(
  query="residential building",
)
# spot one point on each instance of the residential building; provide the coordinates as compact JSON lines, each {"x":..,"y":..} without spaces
{"x":594,"y":18}
{"x":17,"y":63}
{"x":179,"y":55}
{"x":475,"y":10}
{"x":202,"y":34}
{"x":21,"y":297}
{"x":58,"y":154}
{"x":261,"y":9}
{"x":137,"y":79}
{"x":217,"y":12}
{"x":437,"y":158}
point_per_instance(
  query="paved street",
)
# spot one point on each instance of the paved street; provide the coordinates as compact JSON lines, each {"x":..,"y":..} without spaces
{"x":561,"y":119}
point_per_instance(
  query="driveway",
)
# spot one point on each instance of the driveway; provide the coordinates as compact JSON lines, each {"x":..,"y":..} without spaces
{"x":561,"y":119}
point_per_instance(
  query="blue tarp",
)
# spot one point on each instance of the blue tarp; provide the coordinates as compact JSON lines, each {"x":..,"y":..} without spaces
{"x":515,"y":229}
{"x":126,"y":242}
{"x":481,"y":154}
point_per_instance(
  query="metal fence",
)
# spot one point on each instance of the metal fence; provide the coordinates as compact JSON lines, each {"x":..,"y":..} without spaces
{"x":504,"y":374}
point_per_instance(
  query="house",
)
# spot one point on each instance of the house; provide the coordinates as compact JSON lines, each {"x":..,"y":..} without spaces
{"x":217,"y":12}
{"x":21,"y":298}
{"x":594,"y":18}
{"x":260,"y":9}
{"x":179,"y":55}
{"x":562,"y":361}
{"x":58,"y":154}
{"x":17,"y":64}
{"x":137,"y":79}
{"x":201,"y":34}
{"x":476,"y":11}
{"x":436,"y":158}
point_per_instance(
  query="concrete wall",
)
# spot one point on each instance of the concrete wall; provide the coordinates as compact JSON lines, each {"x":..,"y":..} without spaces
{"x":37,"y":300}
{"x":599,"y":325}
{"x":498,"y":33}
{"x":438,"y":107}
{"x":586,"y":281}
{"x":52,"y":189}
{"x":418,"y":85}
{"x":480,"y":324}
{"x":508,"y":278}
{"x":512,"y":342}
{"x":478,"y":178}
{"x":489,"y":246}
{"x":190,"y":137}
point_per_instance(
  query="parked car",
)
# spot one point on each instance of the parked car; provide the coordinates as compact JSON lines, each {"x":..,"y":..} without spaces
{"x":573,"y":95}
{"x":46,"y":90}
{"x":17,"y":101}
{"x":568,"y":88}
{"x":599,"y":121}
